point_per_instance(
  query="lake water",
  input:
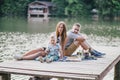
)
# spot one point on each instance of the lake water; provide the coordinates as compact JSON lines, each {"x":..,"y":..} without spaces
{"x":18,"y":35}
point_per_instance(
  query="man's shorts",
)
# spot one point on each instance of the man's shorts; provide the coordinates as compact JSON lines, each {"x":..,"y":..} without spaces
{"x":69,"y":50}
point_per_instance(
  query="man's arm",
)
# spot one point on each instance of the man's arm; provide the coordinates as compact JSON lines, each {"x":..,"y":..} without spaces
{"x":80,"y":38}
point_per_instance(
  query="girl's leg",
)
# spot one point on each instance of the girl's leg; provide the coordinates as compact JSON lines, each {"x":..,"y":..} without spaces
{"x":55,"y":58}
{"x":49,"y":58}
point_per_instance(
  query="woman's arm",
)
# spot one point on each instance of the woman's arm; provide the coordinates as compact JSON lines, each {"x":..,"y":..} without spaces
{"x":47,"y":51}
{"x":61,"y":53}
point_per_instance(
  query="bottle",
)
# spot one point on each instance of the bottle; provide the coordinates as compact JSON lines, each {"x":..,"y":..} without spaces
{"x":79,"y":55}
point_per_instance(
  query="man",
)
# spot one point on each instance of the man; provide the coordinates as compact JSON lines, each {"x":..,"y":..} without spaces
{"x":75,"y":39}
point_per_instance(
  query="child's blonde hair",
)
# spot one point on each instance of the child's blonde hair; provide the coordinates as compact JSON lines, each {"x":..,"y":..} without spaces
{"x":52,"y":36}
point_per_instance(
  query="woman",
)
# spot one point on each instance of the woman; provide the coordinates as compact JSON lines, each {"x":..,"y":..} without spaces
{"x":61,"y":38}
{"x":61,"y":34}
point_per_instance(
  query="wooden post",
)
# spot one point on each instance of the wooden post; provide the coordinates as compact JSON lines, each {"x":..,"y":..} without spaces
{"x":117,"y":71}
{"x":71,"y":79}
{"x":5,"y":76}
{"x":41,"y":78}
{"x":60,"y":78}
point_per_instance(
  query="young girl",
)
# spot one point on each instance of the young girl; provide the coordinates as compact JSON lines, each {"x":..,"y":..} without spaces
{"x":53,"y":51}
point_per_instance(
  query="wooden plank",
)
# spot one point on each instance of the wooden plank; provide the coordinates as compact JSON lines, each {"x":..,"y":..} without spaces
{"x":91,"y":69}
{"x":50,"y":74}
{"x":66,"y":67}
{"x":109,"y":67}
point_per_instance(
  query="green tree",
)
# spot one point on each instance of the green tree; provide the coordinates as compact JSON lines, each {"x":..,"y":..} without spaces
{"x":1,"y":2}
{"x":14,"y":7}
{"x":70,"y":8}
{"x":60,"y":7}
{"x":74,"y":8}
{"x":108,"y":8}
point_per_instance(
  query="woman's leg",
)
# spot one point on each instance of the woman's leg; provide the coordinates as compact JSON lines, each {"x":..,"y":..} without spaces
{"x":34,"y":55}
{"x":31,"y":57}
{"x":33,"y":51}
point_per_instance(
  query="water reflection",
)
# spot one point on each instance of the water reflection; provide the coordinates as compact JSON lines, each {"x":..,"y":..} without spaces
{"x":99,"y":28}
{"x":37,"y":27}
{"x":44,"y":20}
{"x":10,"y":24}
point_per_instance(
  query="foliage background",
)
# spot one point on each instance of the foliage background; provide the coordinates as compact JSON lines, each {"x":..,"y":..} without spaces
{"x":64,"y":8}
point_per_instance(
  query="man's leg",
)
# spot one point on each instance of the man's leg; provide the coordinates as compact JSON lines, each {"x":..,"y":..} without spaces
{"x":69,"y":50}
{"x":94,"y":52}
{"x":85,"y":45}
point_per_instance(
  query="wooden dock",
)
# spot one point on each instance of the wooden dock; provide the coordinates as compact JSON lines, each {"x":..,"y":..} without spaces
{"x":84,"y":70}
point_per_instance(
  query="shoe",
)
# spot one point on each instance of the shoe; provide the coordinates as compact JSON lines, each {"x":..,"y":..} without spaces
{"x":18,"y":56}
{"x":100,"y":53}
{"x":41,"y":59}
{"x":96,"y":53}
{"x":87,"y":56}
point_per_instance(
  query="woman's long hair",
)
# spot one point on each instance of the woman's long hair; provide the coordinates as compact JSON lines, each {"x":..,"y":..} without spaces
{"x":64,"y":34}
